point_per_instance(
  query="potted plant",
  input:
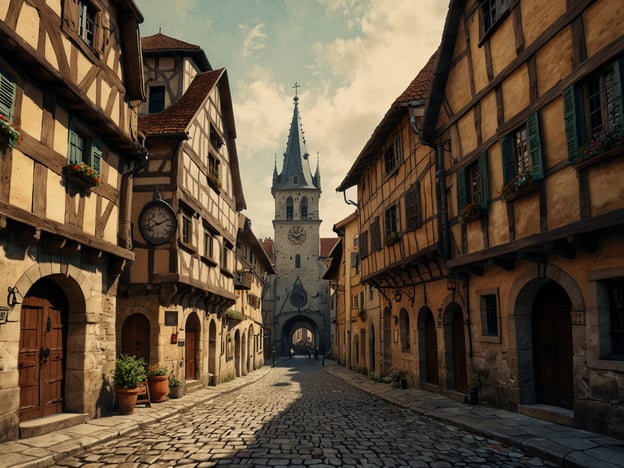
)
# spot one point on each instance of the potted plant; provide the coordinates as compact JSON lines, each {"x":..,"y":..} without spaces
{"x":128,"y":373}
{"x":398,"y":378}
{"x":9,"y":135}
{"x":471,"y":212}
{"x":519,"y":185}
{"x":158,"y":382}
{"x":82,"y":175}
{"x":176,"y":386}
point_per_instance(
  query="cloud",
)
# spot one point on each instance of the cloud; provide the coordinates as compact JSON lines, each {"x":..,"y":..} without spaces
{"x":254,"y":39}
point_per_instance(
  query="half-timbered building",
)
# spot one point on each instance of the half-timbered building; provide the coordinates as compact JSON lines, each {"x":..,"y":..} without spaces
{"x":245,"y":324}
{"x":185,"y":211}
{"x":403,"y":248}
{"x":526,"y":111}
{"x":70,"y":85}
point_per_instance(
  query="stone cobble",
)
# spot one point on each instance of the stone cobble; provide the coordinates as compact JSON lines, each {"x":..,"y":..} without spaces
{"x":299,"y":415}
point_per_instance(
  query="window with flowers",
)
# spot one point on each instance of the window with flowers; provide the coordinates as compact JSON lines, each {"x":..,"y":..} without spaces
{"x":8,"y":89}
{"x":84,"y":156}
{"x":594,"y":113}
{"x":522,"y":157}
{"x":473,"y":192}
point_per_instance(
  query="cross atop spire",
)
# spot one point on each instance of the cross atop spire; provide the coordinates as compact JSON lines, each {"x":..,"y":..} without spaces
{"x":296,"y":85}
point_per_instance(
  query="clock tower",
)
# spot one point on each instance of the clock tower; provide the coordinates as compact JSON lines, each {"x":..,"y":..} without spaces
{"x":298,"y":295}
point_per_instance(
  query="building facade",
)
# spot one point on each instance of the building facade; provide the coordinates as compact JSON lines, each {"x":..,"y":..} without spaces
{"x":64,"y":213}
{"x":297,"y":296}
{"x":185,"y":208}
{"x":527,"y":106}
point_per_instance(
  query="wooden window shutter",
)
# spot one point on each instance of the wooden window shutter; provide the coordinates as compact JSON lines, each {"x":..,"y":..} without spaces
{"x":375,"y":235}
{"x":534,"y":142}
{"x":574,"y":131}
{"x":8,"y":89}
{"x":74,"y":149}
{"x":412,"y":207}
{"x":70,"y":14}
{"x":96,"y":155}
{"x":462,"y":196}
{"x":617,"y":99}
{"x":485,"y":185}
{"x":363,"y":241}
{"x":509,"y":169}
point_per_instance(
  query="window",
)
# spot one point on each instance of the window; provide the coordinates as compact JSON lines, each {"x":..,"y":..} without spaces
{"x":213,"y":172}
{"x":375,"y":231}
{"x":412,"y":207}
{"x":86,"y":22}
{"x":215,"y":139}
{"x":593,"y":108}
{"x":615,"y":291}
{"x":187,"y":230}
{"x":404,"y":330}
{"x":391,"y":224}
{"x":355,"y":261}
{"x":522,"y":151}
{"x":81,"y":148}
{"x":226,"y":256}
{"x":289,"y":209}
{"x":363,"y":244}
{"x":392,"y":155}
{"x":493,"y":10}
{"x":156,"y":99}
{"x":297,"y":261}
{"x":304,"y":208}
{"x":208,"y":244}
{"x":472,"y":184}
{"x":488,"y":305}
{"x":8,"y":90}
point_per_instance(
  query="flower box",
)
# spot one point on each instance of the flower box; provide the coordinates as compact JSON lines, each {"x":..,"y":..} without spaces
{"x":82,"y":175}
{"x":604,"y":156}
{"x":603,"y":145}
{"x":520,"y":185}
{"x":393,"y":238}
{"x":9,"y":135}
{"x":471,"y":212}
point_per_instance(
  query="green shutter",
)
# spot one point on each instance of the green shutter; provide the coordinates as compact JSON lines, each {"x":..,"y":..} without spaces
{"x":96,"y":155}
{"x":485,"y":185}
{"x":571,"y":116}
{"x":74,"y":146}
{"x":618,"y":92}
{"x":8,"y":89}
{"x":462,"y":196}
{"x":509,"y":169}
{"x":535,"y":146}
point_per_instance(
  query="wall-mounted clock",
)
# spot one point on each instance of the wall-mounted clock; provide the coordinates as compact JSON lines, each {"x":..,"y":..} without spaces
{"x":157,"y":221}
{"x":297,"y":235}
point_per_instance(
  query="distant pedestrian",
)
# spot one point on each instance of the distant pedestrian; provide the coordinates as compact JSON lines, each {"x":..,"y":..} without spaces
{"x":292,"y":353}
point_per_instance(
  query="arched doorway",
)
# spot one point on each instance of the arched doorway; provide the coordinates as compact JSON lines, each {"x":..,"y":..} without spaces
{"x":244,"y":355}
{"x":43,"y":341}
{"x":552,"y":346}
{"x":458,"y":347}
{"x":252,"y":347}
{"x":135,"y":337}
{"x":212,"y":352}
{"x":387,"y":342}
{"x":428,"y":346}
{"x":191,"y":347}
{"x":372,"y":366}
{"x":237,"y":353}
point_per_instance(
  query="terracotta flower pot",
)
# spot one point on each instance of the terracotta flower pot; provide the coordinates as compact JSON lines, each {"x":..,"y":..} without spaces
{"x":126,"y":399}
{"x":158,"y":387}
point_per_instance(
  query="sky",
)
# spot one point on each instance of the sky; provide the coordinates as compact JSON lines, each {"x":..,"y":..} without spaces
{"x":350,"y":58}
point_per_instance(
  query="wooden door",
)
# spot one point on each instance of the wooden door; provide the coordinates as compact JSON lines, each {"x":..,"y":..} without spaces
{"x":191,"y":347}
{"x":459,"y":352}
{"x":552,"y":347}
{"x":41,"y":360}
{"x":135,"y":337}
{"x":431,"y":349}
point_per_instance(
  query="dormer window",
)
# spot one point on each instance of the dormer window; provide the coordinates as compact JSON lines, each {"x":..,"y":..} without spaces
{"x":156,"y":99}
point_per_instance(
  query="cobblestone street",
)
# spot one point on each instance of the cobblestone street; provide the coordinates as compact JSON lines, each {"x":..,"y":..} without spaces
{"x":299,"y":415}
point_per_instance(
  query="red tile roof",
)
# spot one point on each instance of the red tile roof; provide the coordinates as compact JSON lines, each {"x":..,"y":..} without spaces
{"x":176,"y":118}
{"x":327,"y":244}
{"x":161,"y":42}
{"x":414,"y":94}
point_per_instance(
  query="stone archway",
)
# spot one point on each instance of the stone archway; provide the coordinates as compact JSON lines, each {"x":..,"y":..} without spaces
{"x":288,"y":331}
{"x":522,"y":296}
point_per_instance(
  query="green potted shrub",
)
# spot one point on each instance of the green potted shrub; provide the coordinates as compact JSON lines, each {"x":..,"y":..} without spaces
{"x":158,"y":382}
{"x":176,"y":387}
{"x":128,"y":373}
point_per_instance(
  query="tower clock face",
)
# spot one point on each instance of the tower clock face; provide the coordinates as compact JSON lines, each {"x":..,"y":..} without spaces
{"x":297,"y":235}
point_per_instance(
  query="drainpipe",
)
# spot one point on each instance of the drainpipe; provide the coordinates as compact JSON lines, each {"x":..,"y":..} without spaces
{"x":125,"y":204}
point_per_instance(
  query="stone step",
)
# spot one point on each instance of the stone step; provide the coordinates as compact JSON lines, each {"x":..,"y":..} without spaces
{"x":45,"y":425}
{"x":191,"y":386}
